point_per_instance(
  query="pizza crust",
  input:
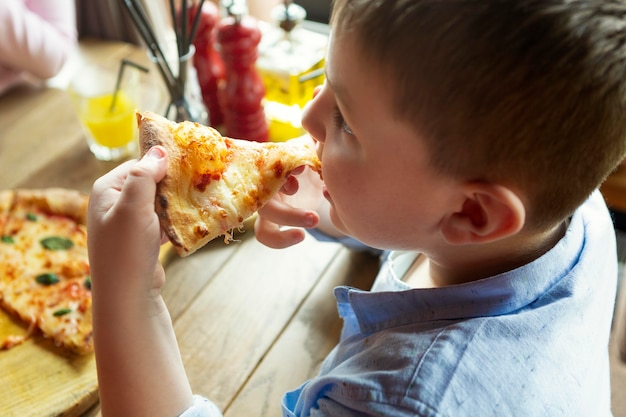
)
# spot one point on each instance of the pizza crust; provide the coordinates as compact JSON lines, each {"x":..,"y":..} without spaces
{"x":62,"y":201}
{"x":168,"y":198}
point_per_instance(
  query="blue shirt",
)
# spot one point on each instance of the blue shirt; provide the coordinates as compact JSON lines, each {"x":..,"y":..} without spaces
{"x":529,"y":342}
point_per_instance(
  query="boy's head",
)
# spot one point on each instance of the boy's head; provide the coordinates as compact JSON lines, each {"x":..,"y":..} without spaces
{"x":530,"y":94}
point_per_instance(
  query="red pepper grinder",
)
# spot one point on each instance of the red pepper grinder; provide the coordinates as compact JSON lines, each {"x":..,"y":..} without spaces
{"x":207,"y":60}
{"x":241,"y":93}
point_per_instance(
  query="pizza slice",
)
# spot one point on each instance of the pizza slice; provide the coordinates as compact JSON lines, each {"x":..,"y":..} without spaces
{"x":214,"y":183}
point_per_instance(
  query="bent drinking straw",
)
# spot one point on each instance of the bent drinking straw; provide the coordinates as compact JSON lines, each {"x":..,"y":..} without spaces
{"x":120,"y":75}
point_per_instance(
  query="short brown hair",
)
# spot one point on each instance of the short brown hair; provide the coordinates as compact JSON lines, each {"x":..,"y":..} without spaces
{"x":527,"y":93}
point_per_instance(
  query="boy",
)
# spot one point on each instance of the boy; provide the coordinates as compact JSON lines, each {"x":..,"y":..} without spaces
{"x":472,"y":132}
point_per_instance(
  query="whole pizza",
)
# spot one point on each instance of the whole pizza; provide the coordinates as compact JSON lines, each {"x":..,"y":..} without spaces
{"x":44,"y":268}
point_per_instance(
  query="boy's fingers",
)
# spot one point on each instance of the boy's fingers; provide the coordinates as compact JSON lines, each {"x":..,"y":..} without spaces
{"x":106,"y":189}
{"x":114,"y":179}
{"x":269,"y":226}
{"x":282,"y":213}
{"x":271,"y":235}
{"x":140,"y":184}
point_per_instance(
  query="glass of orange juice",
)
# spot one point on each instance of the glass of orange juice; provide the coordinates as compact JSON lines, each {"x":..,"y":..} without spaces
{"x":107,"y":115}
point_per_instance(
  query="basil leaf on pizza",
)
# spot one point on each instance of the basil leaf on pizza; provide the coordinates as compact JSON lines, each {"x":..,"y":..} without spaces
{"x":56,"y":243}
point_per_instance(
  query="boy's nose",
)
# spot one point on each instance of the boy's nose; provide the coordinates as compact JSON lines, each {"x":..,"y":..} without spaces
{"x":312,"y":120}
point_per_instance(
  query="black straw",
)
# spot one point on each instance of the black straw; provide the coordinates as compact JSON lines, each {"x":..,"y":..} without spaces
{"x":184,"y":40}
{"x":141,"y":22}
{"x":175,"y":25}
{"x":181,"y":36}
{"x":120,"y":74}
{"x":195,"y":24}
{"x":183,"y":29}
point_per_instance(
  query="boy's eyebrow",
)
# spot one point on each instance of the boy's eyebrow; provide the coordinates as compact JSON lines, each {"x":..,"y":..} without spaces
{"x":317,"y":73}
{"x":340,"y":94}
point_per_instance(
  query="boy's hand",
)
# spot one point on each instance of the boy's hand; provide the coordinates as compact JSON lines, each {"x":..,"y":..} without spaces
{"x":123,"y":229}
{"x":134,"y":339}
{"x":283,"y":210}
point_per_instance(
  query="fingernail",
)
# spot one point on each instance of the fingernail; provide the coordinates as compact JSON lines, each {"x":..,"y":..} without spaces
{"x":155,"y":152}
{"x":310,"y":220}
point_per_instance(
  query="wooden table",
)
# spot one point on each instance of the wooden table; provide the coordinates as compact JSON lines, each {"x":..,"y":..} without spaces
{"x":252,"y":322}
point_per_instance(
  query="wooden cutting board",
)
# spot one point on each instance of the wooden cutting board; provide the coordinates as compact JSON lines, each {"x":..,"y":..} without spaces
{"x":39,"y":379}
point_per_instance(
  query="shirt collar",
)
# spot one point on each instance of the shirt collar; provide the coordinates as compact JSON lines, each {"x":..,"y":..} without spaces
{"x":497,"y":295}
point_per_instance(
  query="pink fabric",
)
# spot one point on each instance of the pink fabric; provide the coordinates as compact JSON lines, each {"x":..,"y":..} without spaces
{"x":36,"y":37}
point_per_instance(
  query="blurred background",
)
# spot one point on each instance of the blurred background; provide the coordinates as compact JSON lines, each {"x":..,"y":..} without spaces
{"x":106,"y":18}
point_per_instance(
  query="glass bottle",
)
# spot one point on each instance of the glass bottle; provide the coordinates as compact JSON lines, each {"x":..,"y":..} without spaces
{"x":291,"y":64}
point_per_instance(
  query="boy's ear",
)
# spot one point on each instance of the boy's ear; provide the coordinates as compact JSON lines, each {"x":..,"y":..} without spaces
{"x":489,"y":212}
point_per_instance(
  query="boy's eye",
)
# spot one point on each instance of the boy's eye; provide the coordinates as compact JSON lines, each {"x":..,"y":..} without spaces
{"x":341,"y":123}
